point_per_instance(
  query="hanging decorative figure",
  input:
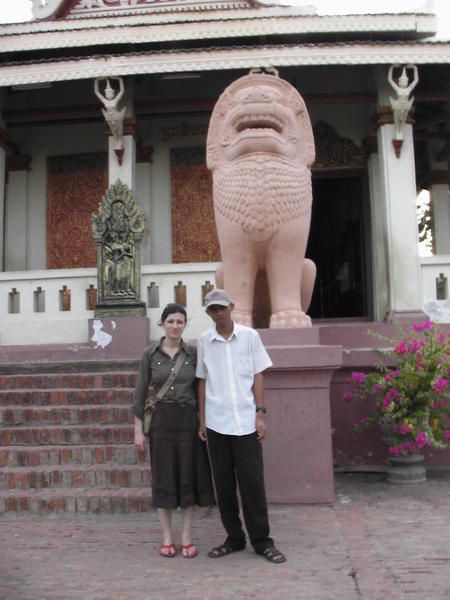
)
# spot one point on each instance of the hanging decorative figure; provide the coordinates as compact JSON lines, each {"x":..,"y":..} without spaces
{"x":113,"y":115}
{"x":402,"y":103}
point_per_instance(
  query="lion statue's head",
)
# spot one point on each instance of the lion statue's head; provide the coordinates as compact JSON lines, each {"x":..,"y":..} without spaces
{"x":260,"y":113}
{"x":260,"y":146}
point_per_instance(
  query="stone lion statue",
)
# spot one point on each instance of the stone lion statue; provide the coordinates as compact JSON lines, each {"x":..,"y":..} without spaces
{"x":260,"y":148}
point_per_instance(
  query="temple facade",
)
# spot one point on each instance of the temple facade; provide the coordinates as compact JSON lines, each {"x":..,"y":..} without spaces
{"x":93,"y":91}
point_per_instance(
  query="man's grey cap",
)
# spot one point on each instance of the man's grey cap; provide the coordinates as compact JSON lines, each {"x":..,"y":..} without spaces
{"x":217,"y":297}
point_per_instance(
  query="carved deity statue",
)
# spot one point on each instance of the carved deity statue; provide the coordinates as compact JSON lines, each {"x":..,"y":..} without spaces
{"x":401,"y":105}
{"x":260,"y":148}
{"x":113,"y":115}
{"x":118,"y":229}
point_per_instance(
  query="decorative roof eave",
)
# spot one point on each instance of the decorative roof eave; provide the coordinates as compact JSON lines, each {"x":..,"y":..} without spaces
{"x":20,"y":36}
{"x":214,"y":59}
{"x":212,"y":30}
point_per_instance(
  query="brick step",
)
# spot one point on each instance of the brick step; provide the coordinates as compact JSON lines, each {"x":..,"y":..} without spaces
{"x":127,"y":500}
{"x":66,"y":415}
{"x":62,"y":397}
{"x":57,"y":476}
{"x":34,"y":456}
{"x":121,"y":379}
{"x":46,"y":435}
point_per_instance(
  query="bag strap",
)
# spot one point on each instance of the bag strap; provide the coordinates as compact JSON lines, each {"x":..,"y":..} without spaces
{"x":164,"y":388}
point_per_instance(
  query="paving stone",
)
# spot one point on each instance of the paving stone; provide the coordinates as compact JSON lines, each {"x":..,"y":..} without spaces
{"x":376,"y":542}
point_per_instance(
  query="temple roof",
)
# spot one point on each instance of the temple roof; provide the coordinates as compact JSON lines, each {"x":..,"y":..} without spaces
{"x":221,"y":34}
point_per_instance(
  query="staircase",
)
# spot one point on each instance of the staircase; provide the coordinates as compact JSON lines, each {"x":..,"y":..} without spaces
{"x":67,"y":440}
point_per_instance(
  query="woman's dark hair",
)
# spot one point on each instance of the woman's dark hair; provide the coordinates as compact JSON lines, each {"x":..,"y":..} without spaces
{"x":171,"y":309}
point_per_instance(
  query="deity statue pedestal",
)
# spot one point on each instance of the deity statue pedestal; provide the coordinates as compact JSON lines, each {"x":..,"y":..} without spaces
{"x":122,"y":336}
{"x":298,"y":458}
{"x":120,"y":309}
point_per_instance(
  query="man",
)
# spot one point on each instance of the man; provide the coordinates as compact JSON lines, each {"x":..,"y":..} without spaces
{"x":231,"y":359}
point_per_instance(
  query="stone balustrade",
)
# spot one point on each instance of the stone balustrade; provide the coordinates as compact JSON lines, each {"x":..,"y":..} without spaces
{"x":53,"y":306}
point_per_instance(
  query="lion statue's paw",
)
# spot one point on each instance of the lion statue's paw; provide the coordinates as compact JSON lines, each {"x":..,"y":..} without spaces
{"x":289,"y":318}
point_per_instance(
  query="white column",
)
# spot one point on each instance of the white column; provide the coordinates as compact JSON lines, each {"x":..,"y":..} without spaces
{"x":398,"y":194}
{"x":440,"y":196}
{"x":441,"y":214}
{"x":379,"y":258}
{"x":16,"y":221}
{"x":2,"y":206}
{"x":126,"y":171}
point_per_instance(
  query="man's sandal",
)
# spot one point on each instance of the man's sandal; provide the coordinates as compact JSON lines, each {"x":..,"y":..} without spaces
{"x":223,"y":550}
{"x":273,"y":555}
{"x":189,"y":551}
{"x":167,"y":550}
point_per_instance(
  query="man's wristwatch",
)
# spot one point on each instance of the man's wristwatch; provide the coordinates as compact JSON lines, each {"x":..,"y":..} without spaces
{"x":262,"y":409}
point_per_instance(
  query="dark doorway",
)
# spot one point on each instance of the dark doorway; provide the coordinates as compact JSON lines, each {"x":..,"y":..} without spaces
{"x":336,"y":245}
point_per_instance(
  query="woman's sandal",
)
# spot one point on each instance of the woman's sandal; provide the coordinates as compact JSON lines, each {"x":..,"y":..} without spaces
{"x":273,"y":555}
{"x":223,"y":550}
{"x":167,"y":550}
{"x":189,"y":551}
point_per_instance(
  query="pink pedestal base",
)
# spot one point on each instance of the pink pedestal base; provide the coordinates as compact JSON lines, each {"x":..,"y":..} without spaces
{"x":298,"y":458}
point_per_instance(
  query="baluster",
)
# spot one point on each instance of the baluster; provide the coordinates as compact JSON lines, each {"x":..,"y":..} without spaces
{"x":91,"y":297}
{"x":206,"y":288}
{"x":14,"y":301}
{"x":64,"y":298}
{"x":180,"y":293}
{"x":153,"y":295}
{"x":39,"y":300}
{"x":441,"y":287}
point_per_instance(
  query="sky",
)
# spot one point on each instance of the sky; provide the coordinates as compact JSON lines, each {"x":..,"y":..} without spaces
{"x":14,"y":11}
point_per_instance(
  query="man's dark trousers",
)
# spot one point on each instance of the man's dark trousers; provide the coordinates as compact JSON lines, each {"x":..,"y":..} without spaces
{"x":240,"y":457}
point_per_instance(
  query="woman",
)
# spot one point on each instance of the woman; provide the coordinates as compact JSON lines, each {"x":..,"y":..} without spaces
{"x":180,"y":470}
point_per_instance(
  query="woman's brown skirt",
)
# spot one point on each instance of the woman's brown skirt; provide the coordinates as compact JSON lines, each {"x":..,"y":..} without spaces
{"x":181,"y":475}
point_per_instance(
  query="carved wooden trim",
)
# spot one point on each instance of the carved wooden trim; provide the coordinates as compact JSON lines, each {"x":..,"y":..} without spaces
{"x":334,"y":151}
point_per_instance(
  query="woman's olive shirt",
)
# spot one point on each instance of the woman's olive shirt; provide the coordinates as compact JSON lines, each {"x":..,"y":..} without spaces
{"x":155,"y":368}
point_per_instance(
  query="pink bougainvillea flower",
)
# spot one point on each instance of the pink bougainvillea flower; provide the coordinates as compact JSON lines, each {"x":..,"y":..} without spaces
{"x":348,"y":397}
{"x":415,"y":345}
{"x":357,"y":377}
{"x":421,"y":440}
{"x":401,"y":348}
{"x":422,"y":326}
{"x":403,"y":428}
{"x":440,"y":385}
{"x":391,"y":375}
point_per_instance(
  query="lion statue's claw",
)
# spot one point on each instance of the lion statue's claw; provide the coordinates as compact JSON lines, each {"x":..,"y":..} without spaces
{"x":242,"y":317}
{"x":290,"y":318}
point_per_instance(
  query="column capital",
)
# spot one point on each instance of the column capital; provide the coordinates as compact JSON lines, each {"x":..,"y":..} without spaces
{"x":385,"y":116}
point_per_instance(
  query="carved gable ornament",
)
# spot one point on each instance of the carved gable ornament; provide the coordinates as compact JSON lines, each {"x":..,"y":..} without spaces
{"x":86,"y":8}
{"x":335,"y":152}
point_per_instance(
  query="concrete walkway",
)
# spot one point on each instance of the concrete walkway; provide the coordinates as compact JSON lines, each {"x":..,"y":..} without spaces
{"x":377,"y":541}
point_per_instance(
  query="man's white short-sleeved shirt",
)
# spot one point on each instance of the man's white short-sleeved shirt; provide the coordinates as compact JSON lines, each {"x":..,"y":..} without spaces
{"x":229,"y":367}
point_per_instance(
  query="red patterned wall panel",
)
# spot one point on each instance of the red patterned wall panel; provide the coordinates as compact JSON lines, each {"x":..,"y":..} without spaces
{"x":75,"y":186}
{"x":193,"y":226}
